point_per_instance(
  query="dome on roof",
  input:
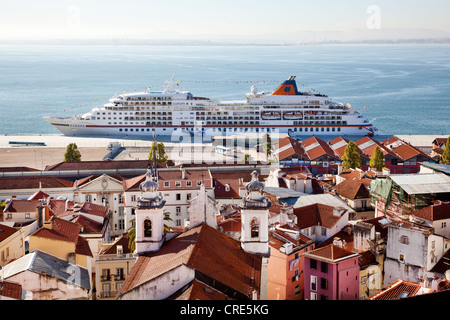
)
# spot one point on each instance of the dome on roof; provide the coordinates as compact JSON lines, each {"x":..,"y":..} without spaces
{"x":255,"y":184}
{"x":149,"y":185}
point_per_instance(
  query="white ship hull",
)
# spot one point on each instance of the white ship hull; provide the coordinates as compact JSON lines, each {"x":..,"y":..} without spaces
{"x":174,"y":113}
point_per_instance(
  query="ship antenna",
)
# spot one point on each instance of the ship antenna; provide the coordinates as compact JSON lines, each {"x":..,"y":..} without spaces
{"x":169,"y":84}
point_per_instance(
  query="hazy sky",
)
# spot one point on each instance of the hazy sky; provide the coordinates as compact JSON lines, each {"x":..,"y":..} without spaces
{"x":45,"y":19}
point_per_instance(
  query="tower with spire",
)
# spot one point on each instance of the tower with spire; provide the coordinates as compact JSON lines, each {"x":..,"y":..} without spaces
{"x":255,"y":218}
{"x":149,"y":216}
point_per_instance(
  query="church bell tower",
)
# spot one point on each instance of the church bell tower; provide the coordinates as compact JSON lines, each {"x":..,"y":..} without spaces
{"x":149,"y":217}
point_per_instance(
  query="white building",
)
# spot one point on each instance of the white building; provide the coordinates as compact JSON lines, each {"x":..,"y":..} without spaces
{"x":411,"y":252}
{"x":176,"y":186}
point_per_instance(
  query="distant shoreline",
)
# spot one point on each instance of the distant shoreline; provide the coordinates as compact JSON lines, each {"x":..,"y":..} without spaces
{"x":180,"y":42}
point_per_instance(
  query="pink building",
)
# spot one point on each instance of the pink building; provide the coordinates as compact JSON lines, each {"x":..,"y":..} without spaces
{"x":331,"y":273}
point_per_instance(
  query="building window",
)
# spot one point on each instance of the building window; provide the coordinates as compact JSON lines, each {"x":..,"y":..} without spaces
{"x":323,"y":283}
{"x":178,"y":210}
{"x":166,"y":184}
{"x":324,"y":267}
{"x":324,"y":231}
{"x":404,"y":240}
{"x":313,"y":264}
{"x":313,"y":283}
{"x":188,"y":196}
{"x":147,"y":228}
{"x":444,"y":225}
{"x":254,"y":227}
{"x":323,"y":297}
{"x":178,"y":196}
{"x":189,"y":183}
{"x":177,"y":183}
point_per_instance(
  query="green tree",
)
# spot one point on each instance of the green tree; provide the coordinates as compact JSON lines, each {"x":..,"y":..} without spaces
{"x":377,"y":159}
{"x":351,"y":157}
{"x":72,"y":153}
{"x":246,"y":157}
{"x":267,"y":144}
{"x":160,"y":152}
{"x":446,"y":155}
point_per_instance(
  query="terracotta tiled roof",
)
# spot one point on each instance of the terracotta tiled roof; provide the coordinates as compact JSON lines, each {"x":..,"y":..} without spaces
{"x":11,"y":290}
{"x":197,"y":290}
{"x":94,"y":209}
{"x":407,"y":151}
{"x":61,"y":230}
{"x":438,"y":211}
{"x":353,"y":189}
{"x":39,"y":195}
{"x":22,"y":206}
{"x":7,"y":183}
{"x":205,"y":250}
{"x":331,"y":252}
{"x":397,"y":290}
{"x":290,"y":147}
{"x":313,"y":214}
{"x":88,"y":225}
{"x":82,"y":247}
{"x":230,"y":225}
{"x":101,"y":164}
{"x":6,"y":232}
{"x":112,"y":249}
{"x":59,"y":208}
{"x":315,"y":148}
{"x":368,"y":145}
{"x":222,"y":179}
{"x":170,"y":175}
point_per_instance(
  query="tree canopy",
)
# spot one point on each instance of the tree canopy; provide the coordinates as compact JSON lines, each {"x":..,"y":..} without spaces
{"x":377,"y":159}
{"x":160,"y":152}
{"x":446,"y":155}
{"x":72,"y":153}
{"x":351,"y":158}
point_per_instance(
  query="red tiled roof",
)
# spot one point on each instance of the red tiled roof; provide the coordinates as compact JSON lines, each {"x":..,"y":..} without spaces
{"x":290,"y":147}
{"x":112,"y":249}
{"x":102,"y":164}
{"x":313,"y":214}
{"x":22,"y":206}
{"x":206,"y":250}
{"x":434,"y":212}
{"x":197,"y":290}
{"x":331,"y":252}
{"x":94,"y":209}
{"x":7,"y":183}
{"x":371,"y":144}
{"x":353,"y":189}
{"x":82,"y":247}
{"x":321,"y":149}
{"x":88,"y":225}
{"x":397,"y":290}
{"x":61,"y":230}
{"x":407,"y":151}
{"x":39,"y":195}
{"x":6,"y":232}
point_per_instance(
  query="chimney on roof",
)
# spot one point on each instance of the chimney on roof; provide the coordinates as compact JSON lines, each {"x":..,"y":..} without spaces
{"x":339,"y":169}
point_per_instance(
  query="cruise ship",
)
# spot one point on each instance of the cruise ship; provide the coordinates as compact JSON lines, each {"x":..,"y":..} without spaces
{"x":174,"y":112}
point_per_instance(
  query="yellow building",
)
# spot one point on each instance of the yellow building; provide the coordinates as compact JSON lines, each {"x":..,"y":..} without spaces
{"x":62,"y":238}
{"x":112,"y":266}
{"x":12,"y":244}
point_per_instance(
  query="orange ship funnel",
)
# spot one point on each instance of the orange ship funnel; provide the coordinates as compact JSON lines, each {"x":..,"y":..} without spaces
{"x":288,"y":87}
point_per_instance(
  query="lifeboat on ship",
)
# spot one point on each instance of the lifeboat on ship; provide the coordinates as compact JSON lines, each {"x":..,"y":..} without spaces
{"x":291,"y":115}
{"x":271,"y":115}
